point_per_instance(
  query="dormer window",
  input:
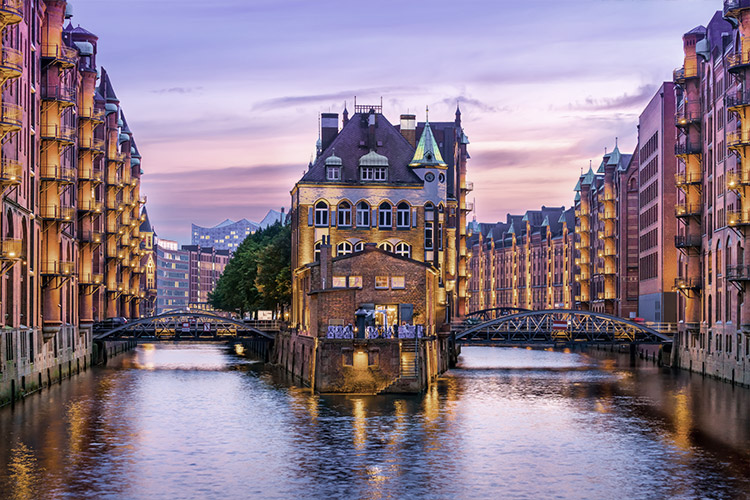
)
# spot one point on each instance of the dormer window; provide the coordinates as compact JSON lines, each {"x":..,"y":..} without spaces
{"x":373,"y":167}
{"x":333,"y":173}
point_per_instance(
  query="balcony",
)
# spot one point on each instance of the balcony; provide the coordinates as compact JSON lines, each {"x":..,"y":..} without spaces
{"x":687,"y":149}
{"x":91,"y":279}
{"x":687,"y":241}
{"x":11,"y":172}
{"x":142,"y":200}
{"x":468,"y":207}
{"x":608,"y":195}
{"x":468,"y":187}
{"x":114,"y":253}
{"x":737,"y":100}
{"x":117,"y":157}
{"x":737,"y":179}
{"x":61,"y":133}
{"x":93,"y":114}
{"x":687,"y":284}
{"x":57,"y":213}
{"x":582,"y":245}
{"x":90,"y":175}
{"x":118,"y":287}
{"x":684,"y":119}
{"x":91,"y":144}
{"x":737,"y":62}
{"x":681,"y":74}
{"x":738,"y":218}
{"x":11,"y":11}
{"x":114,"y":180}
{"x":11,"y":249}
{"x":90,"y":206}
{"x":65,"y":96}
{"x":11,"y":118}
{"x":113,"y":227}
{"x":582,"y":212}
{"x":684,"y":210}
{"x":58,"y":268}
{"x":606,"y":296}
{"x":683,"y":179}
{"x":60,"y":54}
{"x":607,"y":234}
{"x":90,"y":236}
{"x":608,"y":215}
{"x":56,"y":173}
{"x":114,"y":204}
{"x":738,"y":273}
{"x":11,"y":63}
{"x":582,"y":298}
{"x":738,"y":139}
{"x":582,"y":277}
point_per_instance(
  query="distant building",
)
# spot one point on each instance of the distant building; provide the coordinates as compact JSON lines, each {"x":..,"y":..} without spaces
{"x":148,"y":264}
{"x":206,"y":267}
{"x":172,"y":277}
{"x":224,"y":236}
{"x":272,"y":217}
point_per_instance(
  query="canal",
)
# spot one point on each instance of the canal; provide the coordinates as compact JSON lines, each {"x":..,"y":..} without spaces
{"x":195,"y":421}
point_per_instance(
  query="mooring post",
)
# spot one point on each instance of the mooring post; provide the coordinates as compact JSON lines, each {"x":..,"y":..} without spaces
{"x":633,"y":351}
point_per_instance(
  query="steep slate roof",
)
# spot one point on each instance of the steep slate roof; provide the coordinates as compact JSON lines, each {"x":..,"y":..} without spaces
{"x":106,"y":88}
{"x":351,"y":144}
{"x":427,"y":152}
{"x":146,"y":224}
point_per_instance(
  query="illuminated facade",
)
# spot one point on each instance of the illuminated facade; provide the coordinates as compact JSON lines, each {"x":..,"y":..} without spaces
{"x":400,"y":187}
{"x":206,"y":267}
{"x":525,"y":262}
{"x":148,"y":264}
{"x":69,"y":235}
{"x":226,"y":235}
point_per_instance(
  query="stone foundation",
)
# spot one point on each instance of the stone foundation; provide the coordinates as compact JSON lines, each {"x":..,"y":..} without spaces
{"x":721,"y":352}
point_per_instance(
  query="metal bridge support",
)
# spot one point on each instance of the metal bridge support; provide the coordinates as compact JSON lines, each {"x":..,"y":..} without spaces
{"x":633,"y":351}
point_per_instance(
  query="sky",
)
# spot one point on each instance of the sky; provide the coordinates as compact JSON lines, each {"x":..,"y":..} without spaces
{"x":223,"y":96}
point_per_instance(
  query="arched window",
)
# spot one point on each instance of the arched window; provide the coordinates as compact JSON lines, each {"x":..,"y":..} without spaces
{"x":719,"y":267}
{"x":385,"y":215}
{"x":343,"y":248}
{"x":345,"y":214}
{"x":403,"y":215}
{"x":386,"y":246}
{"x":363,"y":214}
{"x":321,"y":214}
{"x":317,"y":251}
{"x":429,"y":234}
{"x":403,"y":249}
{"x":360,"y":246}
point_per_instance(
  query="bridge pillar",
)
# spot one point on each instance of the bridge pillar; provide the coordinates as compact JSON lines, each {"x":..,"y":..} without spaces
{"x":633,"y":351}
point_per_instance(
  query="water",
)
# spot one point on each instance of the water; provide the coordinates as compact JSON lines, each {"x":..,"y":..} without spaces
{"x":194,"y":421}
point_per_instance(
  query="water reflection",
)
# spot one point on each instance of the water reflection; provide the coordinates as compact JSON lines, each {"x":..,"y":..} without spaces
{"x":195,"y":421}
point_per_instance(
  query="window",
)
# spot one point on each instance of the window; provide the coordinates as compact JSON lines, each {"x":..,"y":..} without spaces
{"x":344,"y":248}
{"x":440,"y":236}
{"x":386,"y":246}
{"x":403,"y":249}
{"x":317,"y":251}
{"x":339,"y":282}
{"x":333,"y":173}
{"x":381,"y":282}
{"x":363,"y":214}
{"x":321,"y":214}
{"x":345,"y":214}
{"x":403,"y":213}
{"x":385,"y":215}
{"x":398,"y":282}
{"x":373,"y":174}
{"x":428,"y":236}
{"x":355,"y":281}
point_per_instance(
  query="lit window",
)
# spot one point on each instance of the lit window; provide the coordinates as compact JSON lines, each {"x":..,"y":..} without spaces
{"x":403,"y":249}
{"x":333,"y":173}
{"x":428,"y":236}
{"x":355,"y":281}
{"x":344,"y":248}
{"x":345,"y":214}
{"x":385,"y":215}
{"x":363,"y":214}
{"x":398,"y":282}
{"x":339,"y":282}
{"x":321,"y":214}
{"x":403,"y":215}
{"x":386,"y":246}
{"x":381,"y":282}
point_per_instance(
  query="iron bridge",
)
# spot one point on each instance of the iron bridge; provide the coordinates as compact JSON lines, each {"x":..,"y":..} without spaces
{"x":476,"y":317}
{"x":176,"y":325}
{"x":558,"y":327}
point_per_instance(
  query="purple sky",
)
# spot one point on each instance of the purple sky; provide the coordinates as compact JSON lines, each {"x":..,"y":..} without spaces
{"x":223,"y":95}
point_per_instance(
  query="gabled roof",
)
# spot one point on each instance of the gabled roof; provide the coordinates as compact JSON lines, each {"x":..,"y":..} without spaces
{"x":427,"y":153}
{"x":106,"y":89}
{"x":588,"y":178}
{"x":146,"y":224}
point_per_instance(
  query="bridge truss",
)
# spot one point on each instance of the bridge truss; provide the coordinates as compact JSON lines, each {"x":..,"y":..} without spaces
{"x":185,"y":325}
{"x":559,"y":327}
{"x":483,"y":315}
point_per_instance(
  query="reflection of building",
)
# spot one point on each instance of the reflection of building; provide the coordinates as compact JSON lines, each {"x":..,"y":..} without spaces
{"x":525,"y":262}
{"x":206,"y":267}
{"x":172,"y":276}
{"x":70,"y":182}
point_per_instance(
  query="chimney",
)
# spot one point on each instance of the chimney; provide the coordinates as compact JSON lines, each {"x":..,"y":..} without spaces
{"x":371,"y":125}
{"x":326,"y":263}
{"x":329,"y":129}
{"x":409,"y":129}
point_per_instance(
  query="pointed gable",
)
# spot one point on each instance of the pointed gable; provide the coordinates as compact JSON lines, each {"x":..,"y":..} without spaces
{"x":427,"y":153}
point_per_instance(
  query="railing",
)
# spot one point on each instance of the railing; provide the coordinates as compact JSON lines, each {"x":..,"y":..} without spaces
{"x":580,"y":212}
{"x":89,"y":174}
{"x":61,"y":53}
{"x":90,"y":206}
{"x":738,"y":139}
{"x":688,"y":178}
{"x":607,"y":233}
{"x":114,"y":253}
{"x":738,"y":273}
{"x":118,"y":287}
{"x":469,"y":206}
{"x":738,"y":218}
{"x":113,"y":227}
{"x":11,"y":115}
{"x":90,"y":236}
{"x":58,"y":268}
{"x":687,"y":241}
{"x":92,"y":143}
{"x":582,"y":276}
{"x":114,"y":179}
{"x":682,"y":210}
{"x":681,"y":74}
{"x":468,"y":187}
{"x":54,"y":132}
{"x":608,"y":215}
{"x":57,"y":173}
{"x":118,"y":157}
{"x":11,"y":249}
{"x":57,"y":213}
{"x":737,"y":100}
{"x":66,"y":95}
{"x":11,"y":172}
{"x":11,"y":10}
{"x":114,"y":203}
{"x":737,"y":61}
{"x":11,"y":62}
{"x":687,"y":283}
{"x":687,"y":149}
{"x":737,"y":179}
{"x":95,"y":114}
{"x":606,"y":296}
{"x":684,"y":118}
{"x":91,"y":279}
{"x":142,"y":200}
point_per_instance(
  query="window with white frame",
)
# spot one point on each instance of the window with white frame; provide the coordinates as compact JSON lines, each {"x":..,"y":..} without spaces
{"x":403,"y":215}
{"x":344,"y":248}
{"x":360,"y":246}
{"x":345,"y":214}
{"x":386,"y":246}
{"x":363,"y":214}
{"x":321,"y":214}
{"x":385,"y":215}
{"x":373,"y":174}
{"x":403,"y":249}
{"x":398,"y":282}
{"x":381,"y":282}
{"x":317,"y":251}
{"x":333,"y":173}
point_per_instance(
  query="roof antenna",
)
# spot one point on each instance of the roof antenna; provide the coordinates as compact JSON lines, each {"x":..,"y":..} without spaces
{"x":605,"y":150}
{"x":427,"y":114}
{"x":615,"y":142}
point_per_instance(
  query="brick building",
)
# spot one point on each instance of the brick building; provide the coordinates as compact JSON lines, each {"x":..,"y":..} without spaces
{"x":206,"y":267}
{"x":524,"y":262}
{"x":172,"y":277}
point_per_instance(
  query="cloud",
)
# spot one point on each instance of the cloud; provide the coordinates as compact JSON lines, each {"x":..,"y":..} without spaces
{"x":177,"y":90}
{"x":290,"y":101}
{"x":642,"y":94}
{"x":470,"y":102}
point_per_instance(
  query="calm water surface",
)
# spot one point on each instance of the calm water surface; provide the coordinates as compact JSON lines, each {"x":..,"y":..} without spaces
{"x":194,"y":421}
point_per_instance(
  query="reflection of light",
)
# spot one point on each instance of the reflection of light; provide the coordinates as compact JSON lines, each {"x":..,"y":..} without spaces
{"x":683,"y":420}
{"x":239,"y":349}
{"x":148,"y":348}
{"x":360,"y":424}
{"x":23,"y":472}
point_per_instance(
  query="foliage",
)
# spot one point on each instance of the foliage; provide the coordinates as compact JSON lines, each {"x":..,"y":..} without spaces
{"x":258,"y":276}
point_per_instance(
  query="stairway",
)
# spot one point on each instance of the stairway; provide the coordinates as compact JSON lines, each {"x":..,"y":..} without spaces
{"x":409,"y":358}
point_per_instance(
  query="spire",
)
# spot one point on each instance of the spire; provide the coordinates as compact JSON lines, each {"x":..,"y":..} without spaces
{"x":458,"y":114}
{"x":427,"y":152}
{"x":345,"y":114}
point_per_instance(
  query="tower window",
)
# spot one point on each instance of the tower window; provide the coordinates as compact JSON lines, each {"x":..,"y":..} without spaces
{"x":321,"y":214}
